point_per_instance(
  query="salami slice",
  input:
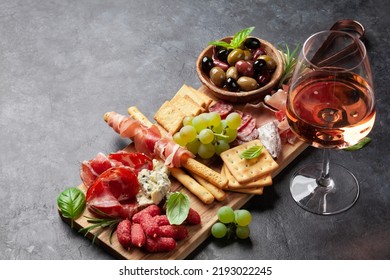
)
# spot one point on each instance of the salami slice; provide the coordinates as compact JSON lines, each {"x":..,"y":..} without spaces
{"x":245,"y":118}
{"x":254,"y":134}
{"x":247,"y":129}
{"x":222,"y":108}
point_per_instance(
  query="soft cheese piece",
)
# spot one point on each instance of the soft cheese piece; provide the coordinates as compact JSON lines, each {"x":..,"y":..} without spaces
{"x":154,"y":184}
{"x":269,"y":136}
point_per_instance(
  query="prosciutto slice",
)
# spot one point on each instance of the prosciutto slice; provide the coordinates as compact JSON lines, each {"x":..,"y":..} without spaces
{"x":90,"y":170}
{"x":148,"y":140}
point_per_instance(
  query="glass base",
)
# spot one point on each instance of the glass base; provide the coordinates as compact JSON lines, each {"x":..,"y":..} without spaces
{"x":339,"y":196}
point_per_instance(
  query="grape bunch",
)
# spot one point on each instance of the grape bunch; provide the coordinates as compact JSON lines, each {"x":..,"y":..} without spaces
{"x":232,"y":222}
{"x":207,"y":134}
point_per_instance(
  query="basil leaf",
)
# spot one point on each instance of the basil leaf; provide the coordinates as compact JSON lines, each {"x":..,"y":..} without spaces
{"x":178,"y":206}
{"x":71,"y":203}
{"x":359,"y":145}
{"x":240,"y":36}
{"x":252,"y":152}
{"x":221,"y":44}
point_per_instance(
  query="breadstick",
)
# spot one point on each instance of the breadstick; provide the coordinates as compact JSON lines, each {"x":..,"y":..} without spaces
{"x":193,"y":186}
{"x":137,"y":115}
{"x":219,"y":194}
{"x":205,"y":172}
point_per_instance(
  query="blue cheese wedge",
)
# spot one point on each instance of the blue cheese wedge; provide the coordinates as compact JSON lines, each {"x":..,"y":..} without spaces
{"x":154,"y":184}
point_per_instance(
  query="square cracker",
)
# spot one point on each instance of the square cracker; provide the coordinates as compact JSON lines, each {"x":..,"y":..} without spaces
{"x":247,"y":170}
{"x":169,"y":117}
{"x":233,"y":184}
{"x":199,"y":97}
{"x":202,"y":96}
{"x":187,"y":105}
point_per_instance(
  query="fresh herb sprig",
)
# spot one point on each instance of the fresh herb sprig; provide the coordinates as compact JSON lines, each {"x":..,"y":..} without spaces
{"x":72,"y":203}
{"x":106,"y":222}
{"x":237,"y":39}
{"x":252,"y":152}
{"x":289,"y":60}
{"x":178,"y":206}
{"x":359,"y":145}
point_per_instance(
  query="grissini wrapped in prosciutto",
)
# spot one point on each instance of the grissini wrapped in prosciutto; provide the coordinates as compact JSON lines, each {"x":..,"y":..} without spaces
{"x":164,"y":148}
{"x":148,"y":139}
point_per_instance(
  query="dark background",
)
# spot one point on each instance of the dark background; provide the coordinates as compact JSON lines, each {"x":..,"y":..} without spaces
{"x":63,"y":64}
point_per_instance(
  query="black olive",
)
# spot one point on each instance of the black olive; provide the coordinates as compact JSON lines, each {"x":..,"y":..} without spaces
{"x":259,"y":65}
{"x":263,"y":78}
{"x":207,"y":64}
{"x":222,"y":55}
{"x":232,"y":85}
{"x":252,"y":43}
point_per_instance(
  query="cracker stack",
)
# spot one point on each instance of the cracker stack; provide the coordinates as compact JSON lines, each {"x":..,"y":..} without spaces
{"x":248,"y":175}
{"x":186,"y":102}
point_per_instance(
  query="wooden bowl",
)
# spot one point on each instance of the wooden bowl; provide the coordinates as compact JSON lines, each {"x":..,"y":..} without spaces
{"x":243,"y":96}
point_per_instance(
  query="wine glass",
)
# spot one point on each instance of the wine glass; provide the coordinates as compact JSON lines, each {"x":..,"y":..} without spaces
{"x":330,"y":105}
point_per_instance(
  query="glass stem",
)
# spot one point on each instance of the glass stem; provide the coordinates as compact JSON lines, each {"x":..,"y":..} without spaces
{"x":324,"y":179}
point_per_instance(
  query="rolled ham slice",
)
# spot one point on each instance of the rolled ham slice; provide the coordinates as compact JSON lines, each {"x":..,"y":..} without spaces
{"x":148,"y":140}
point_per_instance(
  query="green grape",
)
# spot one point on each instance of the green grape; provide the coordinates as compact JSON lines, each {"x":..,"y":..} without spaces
{"x":243,"y":217}
{"x":218,"y":129}
{"x":225,"y":214}
{"x":199,"y":123}
{"x":179,"y":140}
{"x":242,"y":232}
{"x":223,"y":123}
{"x":206,"y":151}
{"x":231,"y":133}
{"x":214,"y":119}
{"x":206,"y":136}
{"x":233,"y":120}
{"x":218,"y":230}
{"x":221,"y":146}
{"x":187,"y":120}
{"x":188,"y":133}
{"x":193,"y":146}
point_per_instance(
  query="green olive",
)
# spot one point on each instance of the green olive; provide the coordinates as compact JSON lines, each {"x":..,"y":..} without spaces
{"x":247,"y":83}
{"x":217,"y":76}
{"x":248,"y":55}
{"x":232,"y":73}
{"x":235,"y":55}
{"x":270,"y":62}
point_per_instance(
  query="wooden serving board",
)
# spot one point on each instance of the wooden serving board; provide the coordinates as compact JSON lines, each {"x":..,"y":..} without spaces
{"x":197,"y":233}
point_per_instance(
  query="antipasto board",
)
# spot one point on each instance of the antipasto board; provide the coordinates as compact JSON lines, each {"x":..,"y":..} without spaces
{"x":208,"y":213}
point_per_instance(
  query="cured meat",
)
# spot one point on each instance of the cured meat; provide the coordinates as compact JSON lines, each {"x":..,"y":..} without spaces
{"x":113,"y":193}
{"x":247,"y":129}
{"x":149,"y":140}
{"x":222,"y":108}
{"x":245,"y":118}
{"x":261,"y":112}
{"x":137,"y":161}
{"x":254,"y":134}
{"x":91,"y":169}
{"x":146,"y":138}
{"x":277,"y":100}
